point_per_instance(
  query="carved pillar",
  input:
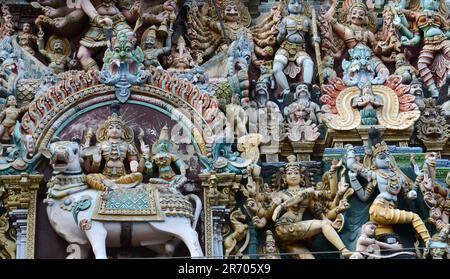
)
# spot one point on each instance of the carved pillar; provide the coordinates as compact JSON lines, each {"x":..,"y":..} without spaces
{"x":218,"y":218}
{"x":19,"y":199}
{"x":219,"y":197}
{"x":19,"y":218}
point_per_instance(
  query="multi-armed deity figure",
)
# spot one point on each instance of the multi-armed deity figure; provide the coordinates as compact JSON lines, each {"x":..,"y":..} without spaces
{"x":58,"y":52}
{"x":149,"y":45}
{"x":164,"y":166}
{"x":429,"y":25}
{"x":382,"y":172}
{"x":295,"y":199}
{"x":355,"y":34}
{"x":114,"y":147}
{"x":291,"y":58}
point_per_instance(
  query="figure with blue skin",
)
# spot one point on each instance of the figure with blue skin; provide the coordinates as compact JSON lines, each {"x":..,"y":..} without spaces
{"x":291,"y":58}
{"x":381,"y":171}
{"x":430,"y":26}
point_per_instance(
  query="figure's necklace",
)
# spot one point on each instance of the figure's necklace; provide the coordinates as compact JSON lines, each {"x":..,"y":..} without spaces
{"x":358,"y":32}
{"x":114,"y":150}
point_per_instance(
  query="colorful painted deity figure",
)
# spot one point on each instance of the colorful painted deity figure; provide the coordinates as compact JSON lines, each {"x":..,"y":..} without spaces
{"x":428,"y":25}
{"x":26,"y":38}
{"x":181,"y":56}
{"x":354,"y":33}
{"x":328,"y":71}
{"x":236,"y":118}
{"x":302,"y":96}
{"x":381,"y":170}
{"x":270,"y":249}
{"x":389,"y":46}
{"x":58,"y":51}
{"x":114,"y":147}
{"x":301,"y":128}
{"x":291,"y":58}
{"x":367,"y":247}
{"x":404,"y":69}
{"x":295,"y":199}
{"x":367,"y":103}
{"x":164,"y":166}
{"x":152,"y":51}
{"x":103,"y":15}
{"x":435,"y":196}
{"x":264,"y":115}
{"x":8,"y":118}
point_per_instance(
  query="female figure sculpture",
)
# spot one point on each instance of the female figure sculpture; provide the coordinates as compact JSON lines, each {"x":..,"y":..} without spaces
{"x":295,"y":200}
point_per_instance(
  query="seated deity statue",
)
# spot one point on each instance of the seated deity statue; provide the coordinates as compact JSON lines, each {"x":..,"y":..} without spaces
{"x":114,"y":147}
{"x":164,"y":167}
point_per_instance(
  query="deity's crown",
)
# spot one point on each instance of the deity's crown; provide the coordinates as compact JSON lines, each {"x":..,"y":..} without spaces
{"x":114,"y":119}
{"x":152,"y":30}
{"x":292,"y":163}
{"x":380,"y":148}
{"x":358,"y":4}
{"x":228,"y":2}
{"x":164,"y":135}
{"x":269,"y":236}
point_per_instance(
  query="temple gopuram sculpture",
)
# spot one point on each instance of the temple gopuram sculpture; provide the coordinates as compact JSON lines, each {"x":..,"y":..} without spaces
{"x":224,"y":129}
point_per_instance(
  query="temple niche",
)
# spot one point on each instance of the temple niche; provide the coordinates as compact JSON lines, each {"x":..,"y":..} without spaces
{"x":226,"y":129}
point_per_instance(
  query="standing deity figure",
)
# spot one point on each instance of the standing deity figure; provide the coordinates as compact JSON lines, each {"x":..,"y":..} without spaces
{"x":430,"y":26}
{"x":149,"y":45}
{"x":264,"y":116}
{"x":26,"y":38}
{"x":295,"y":199}
{"x":58,"y":52}
{"x":382,"y":172}
{"x":328,"y":71}
{"x":114,"y":146}
{"x":291,"y":58}
{"x":404,"y":69}
{"x":8,"y":118}
{"x":181,"y":56}
{"x":164,"y":167}
{"x":237,"y":118}
{"x":105,"y":17}
{"x":355,"y":34}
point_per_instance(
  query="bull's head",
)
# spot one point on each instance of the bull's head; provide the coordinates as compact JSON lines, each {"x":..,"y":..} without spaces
{"x":64,"y":156}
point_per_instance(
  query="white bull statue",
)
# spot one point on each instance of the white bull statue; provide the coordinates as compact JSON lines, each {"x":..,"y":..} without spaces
{"x":79,"y":229}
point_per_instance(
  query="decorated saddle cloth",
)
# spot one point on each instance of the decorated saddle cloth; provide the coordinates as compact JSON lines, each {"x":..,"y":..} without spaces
{"x":141,"y":203}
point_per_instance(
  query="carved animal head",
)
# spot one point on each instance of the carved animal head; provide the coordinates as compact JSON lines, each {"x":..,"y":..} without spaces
{"x":64,"y":155}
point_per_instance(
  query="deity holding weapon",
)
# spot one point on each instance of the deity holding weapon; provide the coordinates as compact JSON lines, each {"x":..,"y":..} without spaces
{"x":58,"y":51}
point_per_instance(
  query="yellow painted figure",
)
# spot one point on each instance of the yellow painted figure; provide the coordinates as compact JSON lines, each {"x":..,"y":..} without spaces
{"x":295,"y":200}
{"x":114,"y":146}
